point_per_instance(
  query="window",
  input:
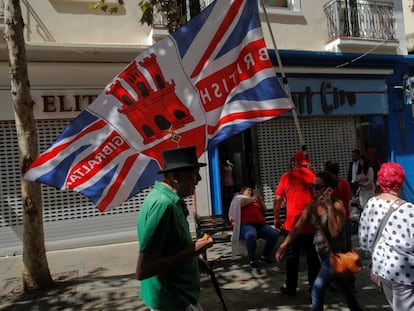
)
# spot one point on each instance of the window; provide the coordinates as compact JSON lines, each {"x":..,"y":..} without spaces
{"x":281,"y":6}
{"x":277,"y":3}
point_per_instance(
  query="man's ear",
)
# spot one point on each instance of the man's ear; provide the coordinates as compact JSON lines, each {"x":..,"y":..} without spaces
{"x":174,"y":176}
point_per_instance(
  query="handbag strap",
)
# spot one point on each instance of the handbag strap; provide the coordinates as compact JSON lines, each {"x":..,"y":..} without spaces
{"x":324,"y":236}
{"x":319,"y":223}
{"x":394,"y":206}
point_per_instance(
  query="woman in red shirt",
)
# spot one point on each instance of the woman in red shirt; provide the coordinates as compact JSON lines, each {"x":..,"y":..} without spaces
{"x":247,"y":213}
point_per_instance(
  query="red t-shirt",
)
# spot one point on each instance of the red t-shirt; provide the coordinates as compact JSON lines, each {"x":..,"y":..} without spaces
{"x":295,"y":187}
{"x":252,"y":213}
{"x":343,"y":192}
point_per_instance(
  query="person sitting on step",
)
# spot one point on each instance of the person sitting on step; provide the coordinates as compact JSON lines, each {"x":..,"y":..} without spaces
{"x":247,"y":215}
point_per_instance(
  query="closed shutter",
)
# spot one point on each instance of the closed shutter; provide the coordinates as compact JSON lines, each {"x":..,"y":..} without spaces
{"x":70,"y":220}
{"x":326,"y":138}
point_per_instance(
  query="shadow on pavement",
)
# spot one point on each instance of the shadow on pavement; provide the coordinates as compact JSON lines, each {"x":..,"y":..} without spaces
{"x":242,"y":288}
{"x":94,"y":291}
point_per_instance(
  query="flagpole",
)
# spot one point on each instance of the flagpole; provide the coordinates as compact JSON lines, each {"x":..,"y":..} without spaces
{"x":284,"y":79}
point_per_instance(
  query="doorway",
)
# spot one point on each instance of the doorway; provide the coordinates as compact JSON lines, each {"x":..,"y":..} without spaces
{"x":236,"y":157}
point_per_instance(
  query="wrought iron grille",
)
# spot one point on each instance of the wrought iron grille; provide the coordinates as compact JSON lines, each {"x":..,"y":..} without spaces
{"x":360,"y":19}
{"x":160,"y":19}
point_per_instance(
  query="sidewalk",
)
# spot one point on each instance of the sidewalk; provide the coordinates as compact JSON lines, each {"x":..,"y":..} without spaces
{"x":102,"y":278}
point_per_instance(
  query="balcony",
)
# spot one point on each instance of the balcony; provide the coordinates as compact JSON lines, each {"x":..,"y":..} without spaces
{"x":358,"y":24}
{"x":160,"y":21}
{"x":159,"y":25}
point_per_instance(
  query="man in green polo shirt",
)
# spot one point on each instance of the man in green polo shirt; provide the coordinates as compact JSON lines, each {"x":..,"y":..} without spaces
{"x":168,"y":261}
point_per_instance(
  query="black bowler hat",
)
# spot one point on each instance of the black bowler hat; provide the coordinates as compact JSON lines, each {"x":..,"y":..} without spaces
{"x":180,"y":158}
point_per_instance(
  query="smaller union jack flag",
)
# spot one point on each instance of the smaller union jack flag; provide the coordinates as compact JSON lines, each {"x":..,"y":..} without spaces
{"x":207,"y":81}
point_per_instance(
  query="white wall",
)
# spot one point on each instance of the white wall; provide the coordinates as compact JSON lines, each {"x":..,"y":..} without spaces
{"x":307,"y":29}
{"x":304,"y":30}
{"x":72,"y":21}
{"x":408,"y":11}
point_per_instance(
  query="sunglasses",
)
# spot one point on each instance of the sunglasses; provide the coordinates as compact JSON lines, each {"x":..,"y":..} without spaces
{"x":317,"y":187}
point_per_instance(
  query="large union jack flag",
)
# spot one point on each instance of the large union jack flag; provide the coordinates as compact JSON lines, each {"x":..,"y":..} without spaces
{"x":207,"y":81}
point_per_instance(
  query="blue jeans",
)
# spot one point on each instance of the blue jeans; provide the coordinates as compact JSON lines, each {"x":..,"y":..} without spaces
{"x":325,"y":276}
{"x":251,"y":232}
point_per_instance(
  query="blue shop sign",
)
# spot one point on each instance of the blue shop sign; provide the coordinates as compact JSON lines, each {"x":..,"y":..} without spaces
{"x":328,"y":97}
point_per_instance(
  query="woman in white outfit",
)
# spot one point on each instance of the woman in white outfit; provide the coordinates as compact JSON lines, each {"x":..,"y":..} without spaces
{"x":393,"y":255}
{"x":365,"y":181}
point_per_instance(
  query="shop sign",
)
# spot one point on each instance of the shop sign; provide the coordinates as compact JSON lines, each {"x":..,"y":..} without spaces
{"x":327,"y":97}
{"x":52,"y":103}
{"x":312,"y":97}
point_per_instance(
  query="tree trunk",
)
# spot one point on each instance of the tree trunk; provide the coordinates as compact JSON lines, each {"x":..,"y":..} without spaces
{"x":36,"y":274}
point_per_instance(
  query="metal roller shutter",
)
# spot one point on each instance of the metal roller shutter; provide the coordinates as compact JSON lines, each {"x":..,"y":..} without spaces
{"x":70,"y":220}
{"x":326,"y":138}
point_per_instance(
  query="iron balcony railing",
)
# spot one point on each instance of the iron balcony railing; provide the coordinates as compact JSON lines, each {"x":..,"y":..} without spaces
{"x":160,"y":19}
{"x":360,"y":19}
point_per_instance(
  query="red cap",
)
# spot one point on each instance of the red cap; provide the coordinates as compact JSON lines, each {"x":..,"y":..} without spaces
{"x":302,"y":158}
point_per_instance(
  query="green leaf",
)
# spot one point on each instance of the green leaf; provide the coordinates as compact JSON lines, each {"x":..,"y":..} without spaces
{"x":93,"y":6}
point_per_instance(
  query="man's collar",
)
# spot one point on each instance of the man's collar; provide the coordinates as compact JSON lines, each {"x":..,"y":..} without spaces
{"x":167,"y":190}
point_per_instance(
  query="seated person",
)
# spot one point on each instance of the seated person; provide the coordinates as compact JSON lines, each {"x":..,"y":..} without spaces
{"x":247,"y":216}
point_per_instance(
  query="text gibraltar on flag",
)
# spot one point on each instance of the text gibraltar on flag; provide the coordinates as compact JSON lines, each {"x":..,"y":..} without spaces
{"x":207,"y":81}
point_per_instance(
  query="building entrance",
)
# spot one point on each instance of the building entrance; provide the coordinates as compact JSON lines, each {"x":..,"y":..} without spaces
{"x":237,"y":169}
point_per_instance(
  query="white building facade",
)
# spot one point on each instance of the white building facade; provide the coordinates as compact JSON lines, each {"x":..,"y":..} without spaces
{"x":74,"y":52}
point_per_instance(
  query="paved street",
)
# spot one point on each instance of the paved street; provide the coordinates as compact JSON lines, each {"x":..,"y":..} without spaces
{"x":102,"y":278}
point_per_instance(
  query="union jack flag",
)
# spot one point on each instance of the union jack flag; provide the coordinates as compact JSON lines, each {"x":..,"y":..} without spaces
{"x":207,"y":81}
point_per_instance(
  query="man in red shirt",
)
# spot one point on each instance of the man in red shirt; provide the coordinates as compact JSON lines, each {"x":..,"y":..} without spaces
{"x":294,"y":189}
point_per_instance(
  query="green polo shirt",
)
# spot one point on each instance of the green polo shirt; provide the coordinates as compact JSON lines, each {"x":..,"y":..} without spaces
{"x":163,"y":231}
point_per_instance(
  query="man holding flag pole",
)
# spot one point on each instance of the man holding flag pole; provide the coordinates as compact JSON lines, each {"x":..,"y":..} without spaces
{"x":168,"y":261}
